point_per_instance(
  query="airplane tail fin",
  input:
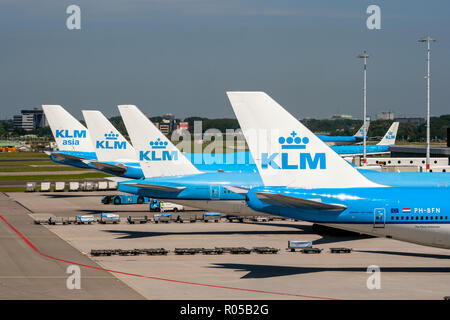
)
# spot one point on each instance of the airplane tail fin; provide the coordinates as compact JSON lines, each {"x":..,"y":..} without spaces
{"x":390,"y":136}
{"x":69,"y":133}
{"x":360,"y":132}
{"x":285,"y":151}
{"x":157,"y":155}
{"x":109,"y":144}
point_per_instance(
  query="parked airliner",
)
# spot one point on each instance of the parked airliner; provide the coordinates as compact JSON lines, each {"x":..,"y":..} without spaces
{"x":304,"y":179}
{"x":345,"y":140}
{"x":381,"y":147}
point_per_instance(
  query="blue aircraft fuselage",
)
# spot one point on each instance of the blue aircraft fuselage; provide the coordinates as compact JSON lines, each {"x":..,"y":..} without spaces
{"x":418,"y":215}
{"x":212,"y":185}
{"x":359,"y":149}
{"x":340,"y":139}
{"x":202,"y":186}
{"x":413,"y":203}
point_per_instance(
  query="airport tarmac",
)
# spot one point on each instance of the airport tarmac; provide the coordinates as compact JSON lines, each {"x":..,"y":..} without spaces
{"x":26,"y":274}
{"x":408,"y":271}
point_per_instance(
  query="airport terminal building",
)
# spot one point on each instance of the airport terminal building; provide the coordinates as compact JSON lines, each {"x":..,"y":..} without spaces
{"x":30,"y":119}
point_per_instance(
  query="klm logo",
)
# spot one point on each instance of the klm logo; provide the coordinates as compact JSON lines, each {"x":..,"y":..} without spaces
{"x":70,"y":136}
{"x":158,"y":152}
{"x":305,"y":160}
{"x":111,"y":142}
{"x":390,"y":135}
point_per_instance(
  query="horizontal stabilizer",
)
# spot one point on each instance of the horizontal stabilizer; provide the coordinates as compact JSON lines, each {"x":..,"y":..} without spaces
{"x":114,"y":168}
{"x":297,"y":203}
{"x":66,"y":157}
{"x":156,"y":187}
{"x":118,"y":179}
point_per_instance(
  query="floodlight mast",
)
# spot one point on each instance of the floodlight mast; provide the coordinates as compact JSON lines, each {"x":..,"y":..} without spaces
{"x":364,"y":56}
{"x":428,"y":40}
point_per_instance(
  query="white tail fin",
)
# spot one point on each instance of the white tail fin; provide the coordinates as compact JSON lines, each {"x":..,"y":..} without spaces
{"x":360,"y":132}
{"x":285,"y":151}
{"x":390,"y":136}
{"x":109,"y":144}
{"x":157,"y":154}
{"x":69,"y":133}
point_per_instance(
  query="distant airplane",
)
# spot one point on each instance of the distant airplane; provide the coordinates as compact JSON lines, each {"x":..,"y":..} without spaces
{"x":307,"y":180}
{"x":381,"y":147}
{"x":345,"y":140}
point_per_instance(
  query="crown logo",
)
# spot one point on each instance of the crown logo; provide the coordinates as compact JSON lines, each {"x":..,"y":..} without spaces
{"x":158,"y":144}
{"x":390,"y":135}
{"x":293,"y":142}
{"x":111,"y":136}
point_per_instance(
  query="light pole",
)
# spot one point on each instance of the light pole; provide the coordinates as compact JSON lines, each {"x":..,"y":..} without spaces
{"x":364,"y":56}
{"x":428,"y":41}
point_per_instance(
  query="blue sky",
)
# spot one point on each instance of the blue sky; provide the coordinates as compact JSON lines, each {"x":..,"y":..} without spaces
{"x":181,"y":56}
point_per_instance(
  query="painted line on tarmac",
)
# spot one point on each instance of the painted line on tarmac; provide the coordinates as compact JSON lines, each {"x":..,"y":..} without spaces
{"x":32,"y":246}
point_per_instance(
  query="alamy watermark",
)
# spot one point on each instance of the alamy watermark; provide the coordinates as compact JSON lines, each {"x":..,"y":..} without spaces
{"x":73,"y":21}
{"x":373,"y":22}
{"x":374,"y":280}
{"x":74,"y":279}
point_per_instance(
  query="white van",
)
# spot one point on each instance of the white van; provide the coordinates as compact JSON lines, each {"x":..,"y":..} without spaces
{"x":168,"y":206}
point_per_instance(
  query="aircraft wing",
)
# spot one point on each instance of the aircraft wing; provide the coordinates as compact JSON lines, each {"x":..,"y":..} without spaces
{"x":156,"y":187}
{"x":297,"y":203}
